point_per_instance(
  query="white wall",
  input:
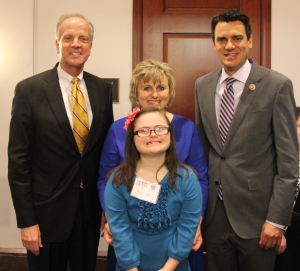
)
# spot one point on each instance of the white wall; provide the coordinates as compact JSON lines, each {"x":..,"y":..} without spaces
{"x":285,"y":41}
{"x":111,"y":52}
{"x":28,"y":46}
{"x":16,"y":56}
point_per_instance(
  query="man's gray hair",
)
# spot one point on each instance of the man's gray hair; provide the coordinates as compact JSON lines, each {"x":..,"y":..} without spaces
{"x":70,"y":15}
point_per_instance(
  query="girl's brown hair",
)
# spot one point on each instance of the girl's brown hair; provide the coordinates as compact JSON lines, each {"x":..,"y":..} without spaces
{"x":125,"y":172}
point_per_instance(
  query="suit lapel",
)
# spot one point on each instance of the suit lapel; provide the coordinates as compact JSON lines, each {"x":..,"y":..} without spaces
{"x":245,"y":101}
{"x":211,"y":95}
{"x":53,"y":92}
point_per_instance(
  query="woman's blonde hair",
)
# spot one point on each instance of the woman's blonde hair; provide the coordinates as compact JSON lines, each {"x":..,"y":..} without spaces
{"x":154,"y":70}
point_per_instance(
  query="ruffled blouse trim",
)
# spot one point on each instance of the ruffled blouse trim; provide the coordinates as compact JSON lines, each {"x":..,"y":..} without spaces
{"x":155,"y":217}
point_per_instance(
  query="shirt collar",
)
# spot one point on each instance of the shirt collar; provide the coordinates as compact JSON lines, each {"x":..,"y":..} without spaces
{"x":65,"y":77}
{"x":241,"y":75}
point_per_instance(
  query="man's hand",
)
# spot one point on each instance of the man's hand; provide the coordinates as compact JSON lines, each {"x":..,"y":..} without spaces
{"x":198,"y":239}
{"x":31,"y":239}
{"x":270,"y":236}
{"x":282,"y":246}
{"x":108,"y":235}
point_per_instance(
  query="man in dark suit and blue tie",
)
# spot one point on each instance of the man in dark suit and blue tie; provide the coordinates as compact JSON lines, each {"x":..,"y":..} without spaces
{"x":52,"y":176}
{"x":253,"y":165}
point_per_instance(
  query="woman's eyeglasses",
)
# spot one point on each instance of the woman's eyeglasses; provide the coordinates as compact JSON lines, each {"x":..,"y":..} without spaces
{"x":147,"y":131}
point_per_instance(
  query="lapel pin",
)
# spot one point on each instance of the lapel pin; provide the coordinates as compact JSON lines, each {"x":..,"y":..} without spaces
{"x":252,"y":87}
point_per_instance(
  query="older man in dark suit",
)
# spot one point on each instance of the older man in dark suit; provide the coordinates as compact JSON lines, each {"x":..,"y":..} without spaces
{"x":245,"y":116}
{"x":54,"y":159}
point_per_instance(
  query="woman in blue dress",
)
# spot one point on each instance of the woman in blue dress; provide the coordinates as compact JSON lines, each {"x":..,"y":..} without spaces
{"x":153,"y":84}
{"x":153,"y":201}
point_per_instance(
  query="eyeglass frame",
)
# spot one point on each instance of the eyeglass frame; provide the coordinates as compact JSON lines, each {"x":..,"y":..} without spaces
{"x":152,"y":130}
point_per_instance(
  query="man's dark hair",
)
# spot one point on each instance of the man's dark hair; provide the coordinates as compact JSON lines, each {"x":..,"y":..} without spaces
{"x":231,"y":16}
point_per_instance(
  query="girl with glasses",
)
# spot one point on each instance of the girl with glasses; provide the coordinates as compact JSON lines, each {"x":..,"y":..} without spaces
{"x":153,"y":201}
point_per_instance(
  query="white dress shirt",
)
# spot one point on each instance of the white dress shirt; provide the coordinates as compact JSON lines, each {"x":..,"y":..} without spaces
{"x":241,"y":75}
{"x":66,"y":88}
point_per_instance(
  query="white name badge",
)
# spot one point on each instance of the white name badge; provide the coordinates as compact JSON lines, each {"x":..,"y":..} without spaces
{"x":145,"y":190}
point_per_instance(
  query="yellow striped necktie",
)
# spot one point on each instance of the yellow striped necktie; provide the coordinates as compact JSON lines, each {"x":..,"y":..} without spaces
{"x":80,"y":115}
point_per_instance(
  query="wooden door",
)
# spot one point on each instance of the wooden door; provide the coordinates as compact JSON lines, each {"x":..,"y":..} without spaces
{"x":178,"y":32}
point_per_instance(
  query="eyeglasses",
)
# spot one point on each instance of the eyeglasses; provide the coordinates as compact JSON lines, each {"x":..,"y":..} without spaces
{"x":147,"y":132}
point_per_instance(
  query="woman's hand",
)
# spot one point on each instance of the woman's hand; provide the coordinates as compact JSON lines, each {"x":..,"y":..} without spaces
{"x":170,"y":265}
{"x":108,"y":235}
{"x":102,"y":225}
{"x":198,"y":240}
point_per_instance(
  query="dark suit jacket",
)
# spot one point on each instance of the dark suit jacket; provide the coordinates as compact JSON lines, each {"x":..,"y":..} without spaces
{"x":45,"y":166}
{"x":258,"y":165}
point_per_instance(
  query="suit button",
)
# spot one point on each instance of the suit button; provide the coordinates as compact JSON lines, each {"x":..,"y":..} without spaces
{"x":223,"y":157}
{"x":217,"y":183}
